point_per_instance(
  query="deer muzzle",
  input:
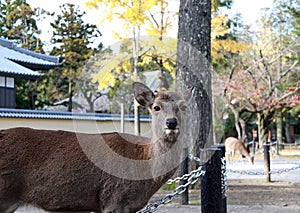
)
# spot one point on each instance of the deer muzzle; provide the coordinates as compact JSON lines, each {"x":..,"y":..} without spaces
{"x":171,"y":123}
{"x":171,"y":126}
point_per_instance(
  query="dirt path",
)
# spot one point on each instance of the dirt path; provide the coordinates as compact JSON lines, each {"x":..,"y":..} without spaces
{"x":243,"y":192}
{"x":248,"y":196}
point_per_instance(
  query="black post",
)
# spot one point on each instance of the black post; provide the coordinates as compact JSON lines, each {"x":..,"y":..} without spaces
{"x":211,"y":186}
{"x":223,"y":182}
{"x":184,"y":169}
{"x":267,"y":169}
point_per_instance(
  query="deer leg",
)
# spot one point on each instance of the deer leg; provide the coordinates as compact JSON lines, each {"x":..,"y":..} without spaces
{"x":232,"y":153}
{"x":116,"y":211}
{"x":71,"y":212}
{"x":8,"y":201}
{"x":228,"y":156}
{"x":6,"y":207}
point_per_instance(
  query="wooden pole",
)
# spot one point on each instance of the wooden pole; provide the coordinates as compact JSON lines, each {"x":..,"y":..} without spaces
{"x":184,"y":169}
{"x":267,"y":169}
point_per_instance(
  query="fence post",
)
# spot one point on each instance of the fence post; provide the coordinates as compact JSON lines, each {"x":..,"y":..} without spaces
{"x":267,"y":169}
{"x":184,"y":169}
{"x":223,"y":182}
{"x":211,"y":183}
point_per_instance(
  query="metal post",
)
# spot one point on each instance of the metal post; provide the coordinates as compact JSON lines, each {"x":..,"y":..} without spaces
{"x":184,"y":169}
{"x":211,"y":186}
{"x":122,"y":118}
{"x":267,"y":169}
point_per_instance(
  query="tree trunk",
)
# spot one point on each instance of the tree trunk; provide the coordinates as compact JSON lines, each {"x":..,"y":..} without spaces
{"x":193,"y":66}
{"x":288,"y":137}
{"x":243,"y":129}
{"x":237,"y":127}
{"x":279,"y":130}
{"x":261,"y":129}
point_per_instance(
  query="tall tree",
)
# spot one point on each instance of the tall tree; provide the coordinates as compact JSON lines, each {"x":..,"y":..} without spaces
{"x":18,"y":23}
{"x":72,"y":38}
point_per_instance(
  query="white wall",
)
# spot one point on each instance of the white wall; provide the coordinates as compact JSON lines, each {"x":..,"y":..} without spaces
{"x":84,"y":126}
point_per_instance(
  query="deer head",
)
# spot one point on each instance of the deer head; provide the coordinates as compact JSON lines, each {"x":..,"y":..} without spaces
{"x":167,"y":109}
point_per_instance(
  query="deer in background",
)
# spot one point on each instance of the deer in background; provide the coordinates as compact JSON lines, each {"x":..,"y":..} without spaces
{"x":234,"y":145}
{"x":49,"y":169}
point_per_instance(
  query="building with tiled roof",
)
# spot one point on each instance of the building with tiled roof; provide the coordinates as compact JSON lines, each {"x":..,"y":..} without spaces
{"x":16,"y":62}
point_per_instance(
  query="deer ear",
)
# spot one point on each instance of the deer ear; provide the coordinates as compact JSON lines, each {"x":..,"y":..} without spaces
{"x":188,"y":94}
{"x":143,"y":95}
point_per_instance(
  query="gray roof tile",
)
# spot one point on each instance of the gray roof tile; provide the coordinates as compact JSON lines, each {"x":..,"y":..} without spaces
{"x":10,"y":55}
{"x":41,"y":114}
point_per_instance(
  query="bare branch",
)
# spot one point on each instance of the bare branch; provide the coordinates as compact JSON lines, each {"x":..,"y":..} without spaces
{"x":153,"y":19}
{"x":229,"y":79}
{"x":270,"y":82}
{"x":281,"y":75}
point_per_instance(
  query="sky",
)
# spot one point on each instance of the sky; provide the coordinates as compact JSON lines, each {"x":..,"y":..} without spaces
{"x":248,"y":8}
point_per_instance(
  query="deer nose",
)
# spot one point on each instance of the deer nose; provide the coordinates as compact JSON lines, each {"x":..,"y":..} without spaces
{"x":171,"y":123}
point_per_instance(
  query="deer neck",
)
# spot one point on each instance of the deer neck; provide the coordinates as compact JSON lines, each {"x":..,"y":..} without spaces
{"x":245,"y":152}
{"x":165,"y":158}
{"x":162,"y":145}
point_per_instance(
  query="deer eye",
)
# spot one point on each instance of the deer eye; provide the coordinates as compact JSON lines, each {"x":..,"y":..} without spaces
{"x":156,"y":108}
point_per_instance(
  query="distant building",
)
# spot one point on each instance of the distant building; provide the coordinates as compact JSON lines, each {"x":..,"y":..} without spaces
{"x":16,"y":62}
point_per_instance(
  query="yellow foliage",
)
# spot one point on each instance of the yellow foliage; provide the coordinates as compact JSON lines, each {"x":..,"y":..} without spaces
{"x":113,"y":64}
{"x":126,"y":66}
{"x":117,"y":35}
{"x":118,"y":69}
{"x":220,"y":47}
{"x":132,"y":11}
{"x":104,"y":80}
{"x":218,"y":26}
{"x":170,"y":68}
{"x":146,"y":60}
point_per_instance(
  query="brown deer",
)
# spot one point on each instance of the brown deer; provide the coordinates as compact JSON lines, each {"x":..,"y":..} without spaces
{"x":234,"y":145}
{"x":52,"y":170}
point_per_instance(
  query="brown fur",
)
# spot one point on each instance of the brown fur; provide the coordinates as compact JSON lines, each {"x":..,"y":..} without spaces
{"x":234,"y":145}
{"x":49,"y":169}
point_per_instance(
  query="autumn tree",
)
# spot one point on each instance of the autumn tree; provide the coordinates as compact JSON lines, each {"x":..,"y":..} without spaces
{"x":284,"y":22}
{"x":155,"y":18}
{"x":273,"y":40}
{"x":227,"y":48}
{"x":72,"y":38}
{"x":133,"y":15}
{"x":263,"y":80}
